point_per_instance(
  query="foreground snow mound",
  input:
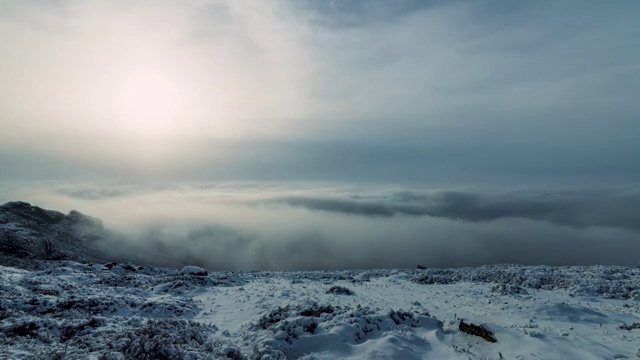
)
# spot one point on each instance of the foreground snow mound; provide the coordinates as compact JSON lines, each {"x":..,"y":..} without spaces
{"x":338,"y":332}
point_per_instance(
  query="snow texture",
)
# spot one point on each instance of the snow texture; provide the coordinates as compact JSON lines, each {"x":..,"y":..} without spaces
{"x":73,"y":310}
{"x":62,"y":298}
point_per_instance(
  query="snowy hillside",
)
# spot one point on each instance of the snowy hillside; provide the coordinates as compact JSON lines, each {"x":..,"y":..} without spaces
{"x":60,"y":299}
{"x":126,"y":311}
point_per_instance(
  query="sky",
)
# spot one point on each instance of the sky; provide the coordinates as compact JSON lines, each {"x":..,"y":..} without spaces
{"x":483,"y":113}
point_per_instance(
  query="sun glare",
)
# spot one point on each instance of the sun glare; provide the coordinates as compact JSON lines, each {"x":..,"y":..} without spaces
{"x":150,"y":103}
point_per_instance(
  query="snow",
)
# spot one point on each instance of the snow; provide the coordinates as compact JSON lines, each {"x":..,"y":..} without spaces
{"x":89,"y":311}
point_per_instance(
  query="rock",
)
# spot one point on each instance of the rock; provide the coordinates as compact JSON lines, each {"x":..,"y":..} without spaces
{"x":29,"y":213}
{"x":77,"y":218}
{"x":130,"y":267}
{"x":29,"y":234}
{"x":476,"y":330}
{"x":340,"y":290}
{"x":194,"y":270}
{"x":421,"y":267}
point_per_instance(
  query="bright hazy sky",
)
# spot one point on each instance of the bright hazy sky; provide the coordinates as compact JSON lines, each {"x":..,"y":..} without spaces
{"x":453,"y":91}
{"x":330,"y":134}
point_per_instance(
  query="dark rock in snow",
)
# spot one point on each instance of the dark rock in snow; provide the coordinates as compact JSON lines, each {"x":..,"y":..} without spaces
{"x":340,"y":290}
{"x":476,"y":330}
{"x":194,"y":270}
{"x":130,"y":267}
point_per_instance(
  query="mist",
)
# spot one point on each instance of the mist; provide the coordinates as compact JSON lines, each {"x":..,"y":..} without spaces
{"x":243,"y":227}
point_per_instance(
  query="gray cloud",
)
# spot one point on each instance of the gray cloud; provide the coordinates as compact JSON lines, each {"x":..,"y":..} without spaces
{"x":327,"y":242}
{"x":580,"y":209}
{"x":93,"y":193}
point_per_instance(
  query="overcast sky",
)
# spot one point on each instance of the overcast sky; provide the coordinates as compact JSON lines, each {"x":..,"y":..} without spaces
{"x":377,"y":91}
{"x":419,"y":116}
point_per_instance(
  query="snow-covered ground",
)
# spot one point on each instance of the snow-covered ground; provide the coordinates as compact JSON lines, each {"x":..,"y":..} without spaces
{"x":72,"y":310}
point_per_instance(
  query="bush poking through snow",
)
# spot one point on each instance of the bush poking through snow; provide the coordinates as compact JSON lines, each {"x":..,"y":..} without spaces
{"x":232,"y":353}
{"x":22,"y":329}
{"x":610,"y":282}
{"x":340,"y":290}
{"x":274,"y":316}
{"x":160,"y":339}
{"x":476,"y":330}
{"x":317,"y":310}
{"x":508,"y":289}
{"x":261,"y":352}
{"x":10,"y":244}
{"x":630,"y":327}
{"x":48,"y":251}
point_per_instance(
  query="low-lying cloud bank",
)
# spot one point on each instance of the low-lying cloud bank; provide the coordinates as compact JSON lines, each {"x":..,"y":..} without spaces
{"x":579,"y":209}
{"x":287,"y":227}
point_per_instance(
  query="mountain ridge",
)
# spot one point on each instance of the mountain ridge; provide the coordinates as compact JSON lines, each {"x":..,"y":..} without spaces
{"x":30,"y":234}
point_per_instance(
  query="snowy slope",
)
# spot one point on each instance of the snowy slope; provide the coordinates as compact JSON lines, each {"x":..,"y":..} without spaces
{"x":61,"y":297}
{"x":127,"y":311}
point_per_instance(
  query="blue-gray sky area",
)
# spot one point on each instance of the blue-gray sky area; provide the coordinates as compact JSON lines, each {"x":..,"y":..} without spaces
{"x":483,"y":113}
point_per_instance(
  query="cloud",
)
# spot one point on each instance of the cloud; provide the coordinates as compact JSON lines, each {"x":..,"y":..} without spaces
{"x":580,"y":209}
{"x":248,"y":226}
{"x":93,"y":193}
{"x":319,"y":91}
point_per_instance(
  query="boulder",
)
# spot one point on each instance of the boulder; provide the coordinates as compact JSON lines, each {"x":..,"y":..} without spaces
{"x":194,"y":270}
{"x":476,"y":330}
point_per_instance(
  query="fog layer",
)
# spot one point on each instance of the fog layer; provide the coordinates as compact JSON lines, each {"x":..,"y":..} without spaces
{"x":273,"y":227}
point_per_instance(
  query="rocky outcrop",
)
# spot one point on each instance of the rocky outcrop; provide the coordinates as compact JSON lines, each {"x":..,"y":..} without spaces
{"x":29,"y":233}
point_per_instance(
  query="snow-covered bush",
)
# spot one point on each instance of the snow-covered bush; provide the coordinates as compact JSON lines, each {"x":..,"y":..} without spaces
{"x":134,"y":339}
{"x":316,"y":310}
{"x":289,"y":325}
{"x":612,"y":282}
{"x":266,"y":352}
{"x":274,"y":316}
{"x":163,"y":339}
